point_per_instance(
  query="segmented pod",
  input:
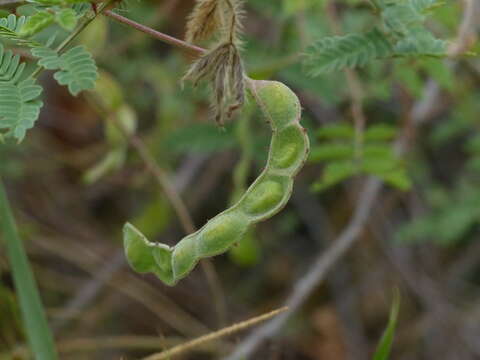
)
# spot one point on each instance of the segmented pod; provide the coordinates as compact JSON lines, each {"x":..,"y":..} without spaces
{"x":264,"y":198}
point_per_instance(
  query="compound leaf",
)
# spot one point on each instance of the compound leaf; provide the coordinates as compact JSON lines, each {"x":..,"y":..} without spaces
{"x":36,"y":23}
{"x":77,"y":69}
{"x":349,"y":51}
{"x":19,"y":106}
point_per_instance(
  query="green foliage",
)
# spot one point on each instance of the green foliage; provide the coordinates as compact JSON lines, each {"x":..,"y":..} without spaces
{"x":420,"y":42}
{"x":400,"y":33}
{"x":450,"y":218}
{"x":66,"y":18}
{"x":37,"y":23}
{"x":120,"y":122}
{"x":451,"y":211}
{"x":385,"y":345}
{"x":344,"y":158}
{"x":77,"y":69}
{"x":349,"y":51}
{"x":117,"y":143}
{"x":35,"y":323}
{"x":10,"y":28}
{"x":19,"y":104}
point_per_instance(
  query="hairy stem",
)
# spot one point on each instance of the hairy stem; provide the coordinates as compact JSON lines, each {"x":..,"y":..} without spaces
{"x":156,"y":34}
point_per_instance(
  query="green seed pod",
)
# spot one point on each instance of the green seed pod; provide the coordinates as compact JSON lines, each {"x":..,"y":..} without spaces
{"x":184,"y":257}
{"x":264,"y":198}
{"x":220,"y":233}
{"x":138,"y":250}
{"x":287,"y":147}
{"x":279,"y":102}
{"x":163,"y":259}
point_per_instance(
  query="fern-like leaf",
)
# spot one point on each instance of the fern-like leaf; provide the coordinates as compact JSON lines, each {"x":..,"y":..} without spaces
{"x":77,"y":69}
{"x":10,"y":28}
{"x":400,"y":17}
{"x":37,"y":23}
{"x":49,"y":58}
{"x":67,"y":19}
{"x":353,"y":50}
{"x":421,"y":43}
{"x":19,"y":104}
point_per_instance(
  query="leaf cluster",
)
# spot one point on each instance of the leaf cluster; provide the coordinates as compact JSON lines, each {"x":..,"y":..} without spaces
{"x":451,"y":217}
{"x":344,"y":158}
{"x":399,"y":32}
{"x":76,"y":68}
{"x":19,"y":104}
{"x":222,"y":64}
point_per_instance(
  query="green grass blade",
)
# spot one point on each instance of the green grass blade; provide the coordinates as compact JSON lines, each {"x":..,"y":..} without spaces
{"x":38,"y":333}
{"x":385,"y":344}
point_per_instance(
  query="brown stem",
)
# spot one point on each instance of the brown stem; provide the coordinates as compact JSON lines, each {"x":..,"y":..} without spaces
{"x":156,"y":34}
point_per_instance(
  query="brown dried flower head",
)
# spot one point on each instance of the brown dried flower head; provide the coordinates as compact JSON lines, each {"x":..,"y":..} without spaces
{"x":222,"y":65}
{"x":204,"y":21}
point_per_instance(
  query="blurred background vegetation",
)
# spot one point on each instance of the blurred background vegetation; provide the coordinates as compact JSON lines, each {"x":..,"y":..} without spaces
{"x":75,"y":180}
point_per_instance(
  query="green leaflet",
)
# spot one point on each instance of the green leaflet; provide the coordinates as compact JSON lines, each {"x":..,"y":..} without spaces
{"x":380,"y":132}
{"x":19,"y":104}
{"x":10,"y":30}
{"x":37,"y":23}
{"x":400,"y":32}
{"x":349,"y":51}
{"x":66,"y":18}
{"x":77,"y":69}
{"x":421,"y":42}
{"x":374,"y":156}
{"x":385,"y":344}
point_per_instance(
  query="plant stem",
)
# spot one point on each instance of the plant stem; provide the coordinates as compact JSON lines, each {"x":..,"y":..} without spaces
{"x":168,"y":354}
{"x":156,"y":34}
{"x":35,"y":322}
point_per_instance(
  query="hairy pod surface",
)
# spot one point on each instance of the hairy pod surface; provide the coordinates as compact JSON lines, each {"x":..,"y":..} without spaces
{"x":265,"y":197}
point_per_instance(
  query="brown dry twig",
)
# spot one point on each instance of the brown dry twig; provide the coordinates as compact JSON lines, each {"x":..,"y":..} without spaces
{"x":180,"y":349}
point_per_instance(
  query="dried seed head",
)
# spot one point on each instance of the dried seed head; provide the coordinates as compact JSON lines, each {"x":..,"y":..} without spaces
{"x":232,"y":14}
{"x":224,"y":68}
{"x":222,"y":65}
{"x":203,"y":21}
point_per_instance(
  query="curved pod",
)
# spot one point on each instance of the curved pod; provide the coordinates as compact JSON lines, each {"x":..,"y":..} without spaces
{"x":265,"y":197}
